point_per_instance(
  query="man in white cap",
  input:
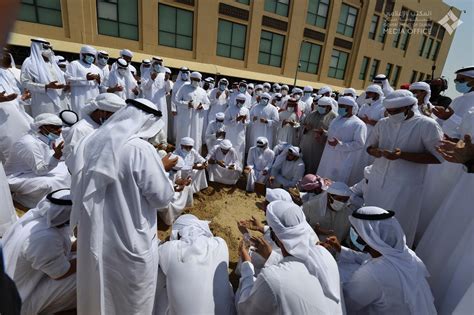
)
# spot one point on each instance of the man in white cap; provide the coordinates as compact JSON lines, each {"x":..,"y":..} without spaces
{"x":266,"y":88}
{"x":101,"y":62}
{"x":192,"y":105}
{"x":422,"y":91}
{"x":33,"y":167}
{"x":276,"y":88}
{"x":350,"y":92}
{"x":287,"y":172}
{"x":42,"y":77}
{"x":372,"y":110}
{"x":194,"y":164}
{"x":387,"y":277}
{"x":122,"y":82}
{"x":208,"y":85}
{"x":84,"y":77}
{"x":224,"y":164}
{"x":182,"y":79}
{"x":37,"y":251}
{"x":382,"y":81}
{"x":215,"y":131}
{"x":327,"y":91}
{"x":218,"y":100}
{"x":259,"y":163}
{"x":263,"y":119}
{"x":193,"y":264}
{"x":95,"y":113}
{"x":346,"y":139}
{"x":289,"y":118}
{"x":119,"y":182}
{"x":128,"y":56}
{"x":305,"y":281}
{"x":237,"y":118}
{"x":256,"y":94}
{"x":403,"y":145}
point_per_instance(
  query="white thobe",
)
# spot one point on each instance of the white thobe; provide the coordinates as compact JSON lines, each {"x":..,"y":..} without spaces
{"x":33,"y":172}
{"x":211,"y":133}
{"x":125,"y":232}
{"x":285,"y":288}
{"x":190,"y":121}
{"x":75,"y":134}
{"x":339,"y":162}
{"x":181,"y":199}
{"x":288,"y":133}
{"x":306,"y":101}
{"x":7,"y":211}
{"x":157,"y":90}
{"x":461,"y":105}
{"x":197,"y":284}
{"x":314,"y":206}
{"x":397,"y":185}
{"x":217,"y":104}
{"x":35,"y":254}
{"x":221,"y":174}
{"x":82,"y":90}
{"x":43,"y":100}
{"x":359,"y":191}
{"x":288,"y":173}
{"x":260,"y":129}
{"x":328,"y":219}
{"x":104,"y":78}
{"x":259,"y":160}
{"x":126,"y":81}
{"x":235,"y":130}
{"x":198,"y":177}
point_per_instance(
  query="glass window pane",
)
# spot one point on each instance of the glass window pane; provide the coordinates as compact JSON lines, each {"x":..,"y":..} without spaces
{"x":184,"y":22}
{"x":305,"y":51}
{"x":275,"y":61}
{"x":128,"y":11}
{"x":312,"y":68}
{"x":265,"y":45}
{"x":107,"y":11}
{"x":49,"y":17}
{"x":28,"y":1}
{"x":167,"y":18}
{"x":332,"y":72}
{"x":277,"y":45}
{"x":315,"y":52}
{"x":167,"y":39}
{"x":321,"y":22}
{"x":223,"y":50}
{"x":282,"y":9}
{"x":340,"y":28}
{"x":313,"y":6}
{"x":323,"y":10}
{"x":263,"y":58}
{"x":52,"y":4}
{"x":128,"y":31}
{"x":223,"y":34}
{"x":108,"y":27}
{"x":184,"y":42}
{"x":238,"y":35}
{"x":237,"y":53}
{"x":270,"y":6}
{"x":351,"y":20}
{"x":27,"y":13}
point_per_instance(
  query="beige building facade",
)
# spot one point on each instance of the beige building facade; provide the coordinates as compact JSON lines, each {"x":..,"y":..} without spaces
{"x":340,"y":43}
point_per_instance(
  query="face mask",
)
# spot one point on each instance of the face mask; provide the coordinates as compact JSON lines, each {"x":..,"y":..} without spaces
{"x":102,"y":61}
{"x":47,"y":53}
{"x":266,"y":89}
{"x":342,"y":111}
{"x":369,"y":101}
{"x":307,"y":93}
{"x":297,"y":97}
{"x":258,"y":93}
{"x":462,"y":87}
{"x":264,"y":101}
{"x":122,"y":72}
{"x":397,"y":118}
{"x":322,"y":110}
{"x":195,"y":83}
{"x":52,"y":137}
{"x":242,"y":89}
{"x":290,"y":109}
{"x":222,"y":87}
{"x":284,"y":92}
{"x":354,"y":241}
{"x":239,"y":104}
{"x":89,"y":59}
{"x":184,"y":76}
{"x":337,"y":205}
{"x":187,"y":150}
{"x":157,"y":68}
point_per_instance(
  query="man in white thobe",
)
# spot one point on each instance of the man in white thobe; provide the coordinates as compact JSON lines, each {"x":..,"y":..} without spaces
{"x":7,"y":211}
{"x":327,"y":91}
{"x":218,"y":98}
{"x":192,"y":103}
{"x":305,"y":281}
{"x":37,"y":252}
{"x":346,"y":139}
{"x":372,"y":110}
{"x":237,"y":118}
{"x":263,"y":119}
{"x":33,"y":167}
{"x":101,"y":62}
{"x":382,"y":81}
{"x":224,"y":164}
{"x":119,"y":182}
{"x":259,"y":163}
{"x":359,"y":190}
{"x":422,"y":91}
{"x":193,"y":264}
{"x":95,"y":113}
{"x":386,"y":277}
{"x":122,"y":82}
{"x":194,"y":164}
{"x":42,"y":77}
{"x":288,"y":171}
{"x":403,"y":145}
{"x":128,"y":56}
{"x":215,"y":131}
{"x":84,"y":77}
{"x":182,"y":79}
{"x":307,"y":100}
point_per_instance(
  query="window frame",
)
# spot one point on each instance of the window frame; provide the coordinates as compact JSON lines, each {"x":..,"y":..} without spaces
{"x":118,"y":22}
{"x":389,"y":69}
{"x":37,"y":16}
{"x":396,"y":75}
{"x":278,"y":4}
{"x":337,"y":68}
{"x":316,"y":14}
{"x":364,"y":67}
{"x":309,"y":62}
{"x":373,"y":71}
{"x":231,"y":45}
{"x":176,"y":34}
{"x":271,"y":48}
{"x":344,"y":23}
{"x":373,"y":34}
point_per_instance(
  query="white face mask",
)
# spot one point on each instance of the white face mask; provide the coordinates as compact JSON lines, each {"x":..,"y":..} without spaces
{"x":102,"y":61}
{"x":184,"y":76}
{"x":297,"y":97}
{"x":122,"y":72}
{"x":369,"y":101}
{"x":47,"y":53}
{"x":264,"y":101}
{"x":337,"y":205}
{"x":397,"y":118}
{"x":284,"y":92}
{"x":258,"y":93}
{"x":195,"y":83}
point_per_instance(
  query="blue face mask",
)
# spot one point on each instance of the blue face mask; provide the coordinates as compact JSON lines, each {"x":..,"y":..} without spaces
{"x":157,"y":68}
{"x":52,"y":137}
{"x":342,"y":111}
{"x":354,"y":236}
{"x":222,"y":87}
{"x":321,"y":110}
{"x":88,"y":59}
{"x":462,"y":87}
{"x":242,"y":89}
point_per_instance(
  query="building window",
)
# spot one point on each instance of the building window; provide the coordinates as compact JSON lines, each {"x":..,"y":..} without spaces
{"x":231,"y":40}
{"x":405,"y":39}
{"x":309,"y":57}
{"x":413,"y":76}
{"x":337,"y":67}
{"x":435,"y":50}
{"x":396,"y":37}
{"x":175,"y":27}
{"x":279,"y":7}
{"x":118,"y":18}
{"x":247,"y":2}
{"x":363,"y":68}
{"x":421,"y":76}
{"x":427,"y":48}
{"x":271,"y":49}
{"x":383,"y":31}
{"x":374,"y":69}
{"x":431,"y":43}
{"x":41,"y":11}
{"x":347,"y":20}
{"x":317,"y":13}
{"x":373,"y":26}
{"x":396,"y":75}
{"x":388,"y":70}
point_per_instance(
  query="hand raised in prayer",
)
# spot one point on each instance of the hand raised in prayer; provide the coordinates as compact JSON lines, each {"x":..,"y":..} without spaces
{"x":211,"y":161}
{"x":392,"y":155}
{"x":460,"y":152}
{"x":200,"y":107}
{"x":322,"y":231}
{"x":264,"y":120}
{"x":242,"y":226}
{"x":368,"y":121}
{"x":135,"y":90}
{"x":178,"y":188}
{"x":168,"y":163}
{"x":254,"y":118}
{"x":153,"y":75}
{"x":375,"y":152}
{"x":54,"y":85}
{"x":264,"y":172}
{"x":220,"y":163}
{"x":443,"y":113}
{"x":333,"y":142}
{"x":27,"y":94}
{"x":247,"y":169}
{"x":58,"y":150}
{"x":190,"y":104}
{"x":244,"y":251}
{"x":7,"y":97}
{"x":67,"y":87}
{"x":116,"y":88}
{"x":271,"y":179}
{"x":199,"y":166}
{"x":262,"y":247}
{"x":232,"y":167}
{"x":332,"y":242}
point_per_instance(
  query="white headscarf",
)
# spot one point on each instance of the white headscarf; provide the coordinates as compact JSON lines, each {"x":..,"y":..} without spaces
{"x":277,"y":194}
{"x":288,"y":222}
{"x":386,"y":236}
{"x":399,"y":98}
{"x":424,"y":87}
{"x":109,"y":102}
{"x":46,"y":119}
{"x":188,"y":141}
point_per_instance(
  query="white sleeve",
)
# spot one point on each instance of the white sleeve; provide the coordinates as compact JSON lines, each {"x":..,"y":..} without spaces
{"x":75,"y":80}
{"x":361,"y":290}
{"x":47,"y":255}
{"x":358,"y":140}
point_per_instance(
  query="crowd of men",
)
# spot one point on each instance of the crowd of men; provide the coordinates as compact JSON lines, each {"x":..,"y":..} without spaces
{"x":367,"y":197}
